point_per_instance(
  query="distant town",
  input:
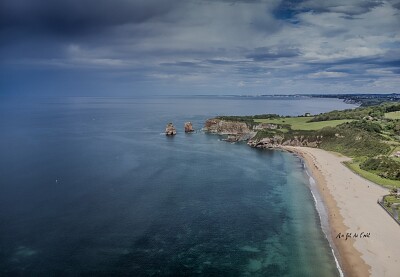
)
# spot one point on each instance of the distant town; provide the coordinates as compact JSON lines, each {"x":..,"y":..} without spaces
{"x":361,"y":99}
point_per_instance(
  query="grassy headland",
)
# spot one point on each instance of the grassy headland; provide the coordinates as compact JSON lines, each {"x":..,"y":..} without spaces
{"x":302,"y":122}
{"x":369,"y":135}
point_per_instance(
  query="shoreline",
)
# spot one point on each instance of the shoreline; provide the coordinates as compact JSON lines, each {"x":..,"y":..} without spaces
{"x":347,"y":200}
{"x":323,"y":215}
{"x":349,"y":259}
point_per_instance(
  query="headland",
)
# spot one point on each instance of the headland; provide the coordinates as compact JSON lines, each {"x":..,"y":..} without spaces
{"x":337,"y":148}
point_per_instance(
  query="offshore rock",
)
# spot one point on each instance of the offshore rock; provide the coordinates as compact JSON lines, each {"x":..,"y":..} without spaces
{"x":170,"y":130}
{"x":188,"y":127}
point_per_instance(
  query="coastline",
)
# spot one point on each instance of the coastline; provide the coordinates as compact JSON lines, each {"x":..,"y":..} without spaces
{"x":350,"y":202}
{"x":323,"y":216}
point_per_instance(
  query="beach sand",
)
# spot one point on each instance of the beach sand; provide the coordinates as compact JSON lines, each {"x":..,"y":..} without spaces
{"x":352,"y":207}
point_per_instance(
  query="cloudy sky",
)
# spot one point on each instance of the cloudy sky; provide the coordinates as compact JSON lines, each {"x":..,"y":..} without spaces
{"x":135,"y":47}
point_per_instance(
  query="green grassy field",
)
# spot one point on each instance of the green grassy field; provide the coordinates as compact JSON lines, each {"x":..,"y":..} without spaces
{"x":300,"y":123}
{"x":393,"y":115}
{"x":372,"y":177}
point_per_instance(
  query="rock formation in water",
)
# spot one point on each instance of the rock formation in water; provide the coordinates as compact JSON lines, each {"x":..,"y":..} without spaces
{"x":188,"y":127}
{"x":170,"y":130}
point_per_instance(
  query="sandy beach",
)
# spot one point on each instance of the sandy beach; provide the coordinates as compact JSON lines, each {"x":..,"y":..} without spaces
{"x":373,"y":248}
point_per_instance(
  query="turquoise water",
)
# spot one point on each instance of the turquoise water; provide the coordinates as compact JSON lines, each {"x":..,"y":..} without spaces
{"x":92,"y":186}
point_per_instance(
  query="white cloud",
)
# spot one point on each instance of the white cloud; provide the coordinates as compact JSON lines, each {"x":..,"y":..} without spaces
{"x":242,"y":44}
{"x":328,"y":74}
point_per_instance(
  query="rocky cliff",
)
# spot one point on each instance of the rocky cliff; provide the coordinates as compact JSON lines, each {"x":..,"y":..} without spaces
{"x":235,"y":130}
{"x":277,"y":141}
{"x":241,"y":131}
{"x":224,"y":127}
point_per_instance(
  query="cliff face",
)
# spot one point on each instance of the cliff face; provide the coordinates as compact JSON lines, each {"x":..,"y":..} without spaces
{"x":224,"y":127}
{"x":240,"y":131}
{"x":277,"y":141}
{"x":236,"y":130}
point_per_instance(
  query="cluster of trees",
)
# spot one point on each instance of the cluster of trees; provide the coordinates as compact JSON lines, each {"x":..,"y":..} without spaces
{"x":393,"y":108}
{"x":393,"y":127}
{"x":354,"y":139}
{"x":365,"y":125}
{"x":358,"y":114}
{"x":352,"y":142}
{"x":383,"y":166}
{"x":249,"y":117}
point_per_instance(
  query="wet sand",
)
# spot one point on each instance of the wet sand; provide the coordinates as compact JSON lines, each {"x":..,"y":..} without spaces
{"x":373,"y":248}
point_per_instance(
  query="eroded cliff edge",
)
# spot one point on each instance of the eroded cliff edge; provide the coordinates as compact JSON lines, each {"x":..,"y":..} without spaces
{"x":257,"y":135}
{"x":232,"y":130}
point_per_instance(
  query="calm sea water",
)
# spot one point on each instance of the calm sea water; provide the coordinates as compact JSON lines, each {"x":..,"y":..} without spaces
{"x":91,"y":186}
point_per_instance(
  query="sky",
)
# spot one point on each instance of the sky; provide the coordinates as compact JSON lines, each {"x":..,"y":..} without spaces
{"x":185,"y":47}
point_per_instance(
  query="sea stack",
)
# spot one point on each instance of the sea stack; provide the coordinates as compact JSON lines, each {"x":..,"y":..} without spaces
{"x":170,"y":130}
{"x":189,"y":127}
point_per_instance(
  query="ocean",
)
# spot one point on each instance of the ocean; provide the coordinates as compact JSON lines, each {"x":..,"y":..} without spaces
{"x":92,"y":186}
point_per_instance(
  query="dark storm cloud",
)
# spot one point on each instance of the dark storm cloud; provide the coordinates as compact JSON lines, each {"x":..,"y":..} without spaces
{"x":396,"y":4}
{"x":288,"y":9}
{"x":77,"y":16}
{"x":284,"y":45}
